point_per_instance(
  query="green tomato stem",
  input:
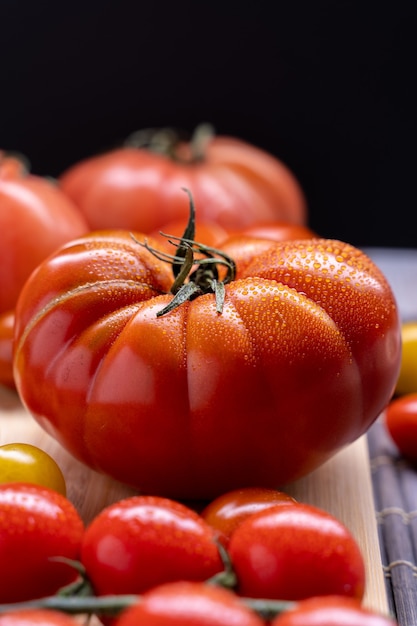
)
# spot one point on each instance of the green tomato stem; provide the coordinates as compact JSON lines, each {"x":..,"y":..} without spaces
{"x":112,"y":605}
{"x":190,"y":283}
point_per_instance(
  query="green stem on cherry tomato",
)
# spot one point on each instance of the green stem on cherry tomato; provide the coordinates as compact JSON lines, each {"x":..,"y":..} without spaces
{"x":227,"y":577}
{"x":204,"y":278}
{"x":78,"y":597}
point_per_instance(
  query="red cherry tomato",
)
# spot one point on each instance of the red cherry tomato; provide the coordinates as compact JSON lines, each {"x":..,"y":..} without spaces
{"x":36,"y":525}
{"x":234,"y":184}
{"x":37,"y":617}
{"x":295,"y":551}
{"x":401,"y":422}
{"x":189,"y":604}
{"x":229,"y":510}
{"x":144,"y":541}
{"x":331,"y":611}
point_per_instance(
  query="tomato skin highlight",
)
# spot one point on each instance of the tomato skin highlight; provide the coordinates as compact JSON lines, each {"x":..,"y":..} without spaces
{"x":37,"y":617}
{"x":144,"y":541}
{"x":36,"y":523}
{"x":331,"y":611}
{"x":401,"y":421}
{"x":230,"y":509}
{"x":309,"y":329}
{"x":189,"y":604}
{"x":23,"y":462}
{"x":296,"y":551}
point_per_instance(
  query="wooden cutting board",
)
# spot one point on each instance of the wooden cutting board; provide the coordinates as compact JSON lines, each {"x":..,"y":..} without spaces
{"x":342,"y":487}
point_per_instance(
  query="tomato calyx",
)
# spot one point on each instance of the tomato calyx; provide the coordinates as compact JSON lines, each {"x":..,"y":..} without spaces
{"x":168,"y":142}
{"x":194,"y":276}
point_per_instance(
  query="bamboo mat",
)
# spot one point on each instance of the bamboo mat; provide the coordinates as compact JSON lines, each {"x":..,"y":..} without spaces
{"x":395,"y":496}
{"x":394,"y":481}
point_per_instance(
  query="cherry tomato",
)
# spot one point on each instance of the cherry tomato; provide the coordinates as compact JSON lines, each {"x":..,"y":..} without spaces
{"x":36,"y":217}
{"x":297,"y":361}
{"x":234,"y":184}
{"x":23,"y":462}
{"x":331,"y":611}
{"x":401,"y":422}
{"x":229,"y":510}
{"x":37,"y":524}
{"x":295,"y":551}
{"x":407,"y":379}
{"x":189,"y":604}
{"x":37,"y":617}
{"x":143,"y":541}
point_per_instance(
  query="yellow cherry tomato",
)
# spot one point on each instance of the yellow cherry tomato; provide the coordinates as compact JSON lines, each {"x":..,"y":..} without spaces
{"x":23,"y":462}
{"x":407,"y":380}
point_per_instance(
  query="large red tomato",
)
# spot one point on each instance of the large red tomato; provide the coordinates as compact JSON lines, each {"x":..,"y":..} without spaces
{"x":36,"y":217}
{"x":233,"y":183}
{"x":299,"y":359}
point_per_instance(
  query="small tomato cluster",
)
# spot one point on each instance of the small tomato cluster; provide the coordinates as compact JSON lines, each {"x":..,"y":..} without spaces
{"x":250,"y":557}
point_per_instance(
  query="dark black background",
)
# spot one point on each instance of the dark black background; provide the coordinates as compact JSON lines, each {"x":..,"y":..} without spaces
{"x":328,"y":87}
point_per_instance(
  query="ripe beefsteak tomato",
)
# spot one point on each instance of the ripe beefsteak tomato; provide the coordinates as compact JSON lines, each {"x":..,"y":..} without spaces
{"x":189,"y":387}
{"x":138,"y":186}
